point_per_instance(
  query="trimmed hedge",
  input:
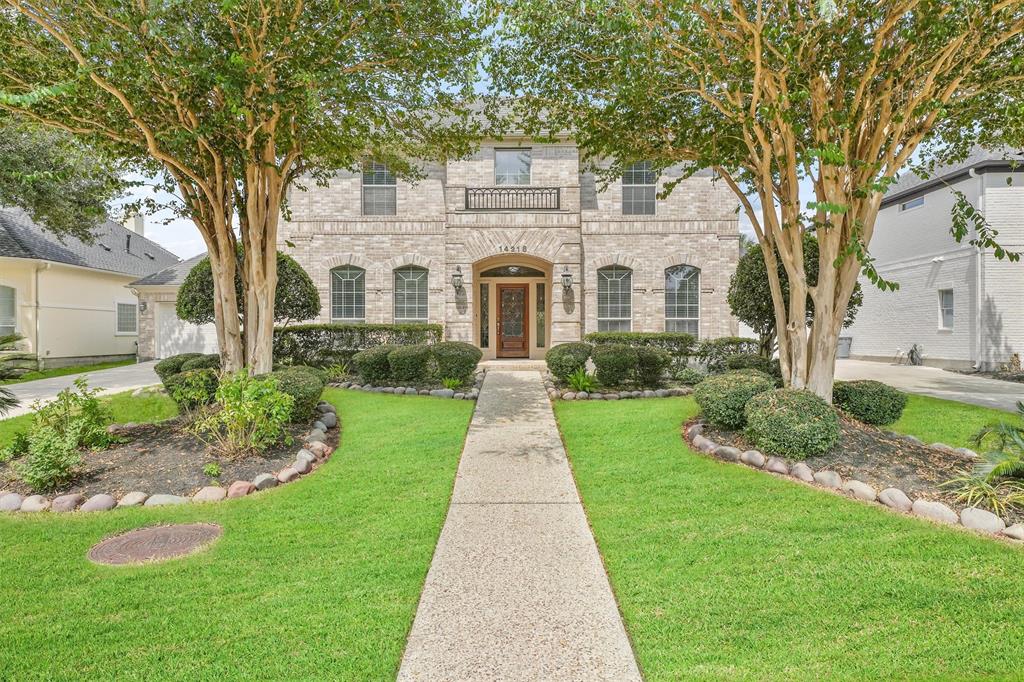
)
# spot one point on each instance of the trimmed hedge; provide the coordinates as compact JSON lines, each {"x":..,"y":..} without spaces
{"x":305,"y":385}
{"x":372,"y":364}
{"x":689,"y":376}
{"x":791,"y":422}
{"x":651,"y":365}
{"x":566,"y":358}
{"x":211,"y":361}
{"x":750,"y":361}
{"x":410,"y":364}
{"x":871,"y":402}
{"x":614,"y":363}
{"x":168,"y":367}
{"x":456,"y":360}
{"x":679,"y":345}
{"x":193,"y":388}
{"x":713,"y":352}
{"x":323,"y":345}
{"x":724,"y":397}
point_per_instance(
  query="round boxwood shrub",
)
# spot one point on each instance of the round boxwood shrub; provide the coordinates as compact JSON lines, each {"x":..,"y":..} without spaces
{"x":456,"y":360}
{"x":871,"y":402}
{"x":193,"y":388}
{"x":651,"y":364}
{"x":614,"y":363}
{"x":211,"y":361}
{"x":304,"y":385}
{"x":723,"y":397}
{"x":566,"y":358}
{"x":372,"y":364}
{"x":410,"y":364}
{"x":168,"y":367}
{"x":791,"y":422}
{"x":749,"y":361}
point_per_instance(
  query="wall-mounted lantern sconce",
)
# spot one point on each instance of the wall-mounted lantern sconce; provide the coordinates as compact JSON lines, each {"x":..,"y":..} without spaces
{"x":567,"y":279}
{"x":457,"y":278}
{"x":142,"y":306}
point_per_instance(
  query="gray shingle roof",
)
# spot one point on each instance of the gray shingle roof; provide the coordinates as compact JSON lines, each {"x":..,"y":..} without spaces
{"x":111,"y":251}
{"x":172,"y":276}
{"x":910,"y":183}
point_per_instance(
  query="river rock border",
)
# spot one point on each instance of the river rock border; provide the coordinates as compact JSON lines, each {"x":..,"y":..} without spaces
{"x":314,"y":452}
{"x":895,"y":499}
{"x":471,"y":394}
{"x":556,"y":393}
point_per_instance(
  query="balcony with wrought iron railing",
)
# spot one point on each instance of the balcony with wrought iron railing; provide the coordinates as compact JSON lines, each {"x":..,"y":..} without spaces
{"x":513,"y":199}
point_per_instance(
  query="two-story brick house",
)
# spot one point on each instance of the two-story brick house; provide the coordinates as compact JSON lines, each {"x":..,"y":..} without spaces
{"x":516,"y":249}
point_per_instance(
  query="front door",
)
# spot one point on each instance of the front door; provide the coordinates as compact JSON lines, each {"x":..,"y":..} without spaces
{"x":513,"y":321}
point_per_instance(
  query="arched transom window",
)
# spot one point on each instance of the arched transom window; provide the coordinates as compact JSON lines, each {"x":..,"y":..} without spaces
{"x":348,"y":294}
{"x":411,"y":294}
{"x":614,"y":299}
{"x":682,"y":299}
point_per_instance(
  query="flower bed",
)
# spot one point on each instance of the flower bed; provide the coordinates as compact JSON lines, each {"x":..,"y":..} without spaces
{"x":102,"y":487}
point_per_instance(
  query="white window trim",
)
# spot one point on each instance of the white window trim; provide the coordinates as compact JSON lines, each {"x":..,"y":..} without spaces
{"x":529,"y":182}
{"x":330,"y":296}
{"x":700,"y":307}
{"x":117,"y":318}
{"x":394,"y":296}
{"x":623,"y":185}
{"x":942,"y":325}
{"x":15,"y":290}
{"x":598,"y":293}
{"x":904,"y":207}
{"x":362,"y":192}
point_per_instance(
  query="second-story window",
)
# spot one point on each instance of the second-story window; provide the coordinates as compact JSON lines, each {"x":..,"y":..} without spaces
{"x":379,"y":190}
{"x":638,"y":189}
{"x":512,"y":166}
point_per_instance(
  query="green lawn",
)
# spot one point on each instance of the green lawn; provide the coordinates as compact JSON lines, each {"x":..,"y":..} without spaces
{"x":934,"y":420}
{"x":148,"y":408}
{"x":316,"y":580}
{"x":64,"y":371}
{"x":723,"y":572}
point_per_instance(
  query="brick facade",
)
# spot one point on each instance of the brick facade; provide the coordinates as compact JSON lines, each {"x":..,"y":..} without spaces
{"x":696,"y":225}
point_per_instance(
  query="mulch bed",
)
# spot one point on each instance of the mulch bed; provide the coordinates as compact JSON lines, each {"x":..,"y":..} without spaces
{"x":164,"y":458}
{"x":1016,"y":377}
{"x":878,"y":459}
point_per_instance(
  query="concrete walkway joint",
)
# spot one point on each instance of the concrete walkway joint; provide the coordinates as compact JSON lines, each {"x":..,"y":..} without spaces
{"x":516,"y":590}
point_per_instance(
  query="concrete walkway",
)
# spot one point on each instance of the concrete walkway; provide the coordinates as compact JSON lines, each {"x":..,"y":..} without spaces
{"x":1001,"y":395}
{"x":114,"y":380}
{"x":516,"y":590}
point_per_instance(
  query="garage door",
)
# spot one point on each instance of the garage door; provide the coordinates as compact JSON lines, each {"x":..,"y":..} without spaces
{"x":174,"y":335}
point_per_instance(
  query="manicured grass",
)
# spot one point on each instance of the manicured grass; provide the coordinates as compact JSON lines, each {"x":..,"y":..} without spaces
{"x":148,"y":408}
{"x":316,"y":580}
{"x":934,"y":420}
{"x":723,"y":572}
{"x":64,"y":371}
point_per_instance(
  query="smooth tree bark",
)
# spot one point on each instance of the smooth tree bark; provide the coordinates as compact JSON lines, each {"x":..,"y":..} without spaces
{"x":233,"y":104}
{"x":776,"y":96}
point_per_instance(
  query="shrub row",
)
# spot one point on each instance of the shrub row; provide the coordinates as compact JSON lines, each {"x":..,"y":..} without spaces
{"x":417,"y":363}
{"x":615,"y":363}
{"x":714,"y":352}
{"x":322,"y":345}
{"x":679,"y":345}
{"x":567,"y":358}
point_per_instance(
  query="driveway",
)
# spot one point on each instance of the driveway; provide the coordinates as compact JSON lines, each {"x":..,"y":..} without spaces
{"x":112,"y":380}
{"x":1001,"y":395}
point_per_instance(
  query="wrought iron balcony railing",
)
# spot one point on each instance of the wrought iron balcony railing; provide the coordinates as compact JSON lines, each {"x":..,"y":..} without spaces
{"x":513,"y":198}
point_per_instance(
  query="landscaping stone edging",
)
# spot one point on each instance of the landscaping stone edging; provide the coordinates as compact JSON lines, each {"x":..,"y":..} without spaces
{"x":979,"y":520}
{"x":471,"y":394}
{"x":556,"y":393}
{"x":314,"y":452}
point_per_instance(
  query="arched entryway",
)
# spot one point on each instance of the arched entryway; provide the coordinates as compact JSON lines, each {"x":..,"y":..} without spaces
{"x":512,"y":311}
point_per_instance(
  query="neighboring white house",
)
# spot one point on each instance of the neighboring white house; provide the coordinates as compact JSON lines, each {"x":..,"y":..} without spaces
{"x":161,"y":332}
{"x":68,"y":299}
{"x":959,"y":303}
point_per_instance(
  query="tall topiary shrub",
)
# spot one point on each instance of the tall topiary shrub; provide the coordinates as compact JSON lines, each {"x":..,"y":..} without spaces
{"x":792,"y":423}
{"x":724,"y":397}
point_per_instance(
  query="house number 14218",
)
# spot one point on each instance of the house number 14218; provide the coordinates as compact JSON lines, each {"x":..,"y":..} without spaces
{"x":511,"y":249}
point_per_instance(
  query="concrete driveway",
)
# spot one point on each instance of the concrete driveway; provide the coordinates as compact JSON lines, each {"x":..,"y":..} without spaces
{"x":1001,"y":395}
{"x":112,"y":380}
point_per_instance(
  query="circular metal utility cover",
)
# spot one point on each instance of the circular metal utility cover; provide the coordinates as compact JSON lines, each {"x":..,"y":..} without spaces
{"x":154,"y":544}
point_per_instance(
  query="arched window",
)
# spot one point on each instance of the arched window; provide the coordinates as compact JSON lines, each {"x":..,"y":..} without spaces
{"x":682,"y":299}
{"x":410,"y":294}
{"x":614,"y":299}
{"x":348,"y":294}
{"x":8,"y":311}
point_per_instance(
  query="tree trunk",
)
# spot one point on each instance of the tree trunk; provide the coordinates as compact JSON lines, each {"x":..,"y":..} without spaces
{"x":225,"y":306}
{"x":259,"y":233}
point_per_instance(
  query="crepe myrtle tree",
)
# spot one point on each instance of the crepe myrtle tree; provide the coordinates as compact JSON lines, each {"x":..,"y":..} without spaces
{"x":807,"y":109}
{"x":233,"y":103}
{"x":750,"y":297}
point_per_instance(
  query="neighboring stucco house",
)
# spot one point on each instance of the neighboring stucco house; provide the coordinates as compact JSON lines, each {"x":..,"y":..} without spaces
{"x":161,"y":332}
{"x":70,"y":300}
{"x":959,"y":303}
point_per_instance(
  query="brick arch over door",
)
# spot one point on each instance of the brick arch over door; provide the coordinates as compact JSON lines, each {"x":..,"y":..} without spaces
{"x":537,"y":243}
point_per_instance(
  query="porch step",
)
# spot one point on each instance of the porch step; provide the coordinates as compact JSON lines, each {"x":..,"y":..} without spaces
{"x":514,"y":365}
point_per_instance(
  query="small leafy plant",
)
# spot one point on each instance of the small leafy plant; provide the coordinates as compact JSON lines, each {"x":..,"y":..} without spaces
{"x":16,"y":448}
{"x":579,"y":381}
{"x":212,"y":470}
{"x":248,"y":416}
{"x":451,"y":383}
{"x":339,"y":371}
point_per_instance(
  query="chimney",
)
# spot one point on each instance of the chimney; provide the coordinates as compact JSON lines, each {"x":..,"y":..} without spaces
{"x":136,"y":223}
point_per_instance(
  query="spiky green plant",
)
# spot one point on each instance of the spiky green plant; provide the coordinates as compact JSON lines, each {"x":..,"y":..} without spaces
{"x":7,"y":399}
{"x":998,"y":496}
{"x":1005,"y":458}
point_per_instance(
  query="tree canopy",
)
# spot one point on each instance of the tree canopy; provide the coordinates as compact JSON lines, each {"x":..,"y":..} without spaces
{"x":750,"y":298}
{"x":295,"y":298}
{"x":838,"y":95}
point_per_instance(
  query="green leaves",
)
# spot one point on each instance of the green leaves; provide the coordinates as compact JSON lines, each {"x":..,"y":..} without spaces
{"x":970,"y":222}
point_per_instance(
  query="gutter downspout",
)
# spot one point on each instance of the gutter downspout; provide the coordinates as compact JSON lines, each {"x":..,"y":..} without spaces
{"x":35,"y":342}
{"x":979,"y":285}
